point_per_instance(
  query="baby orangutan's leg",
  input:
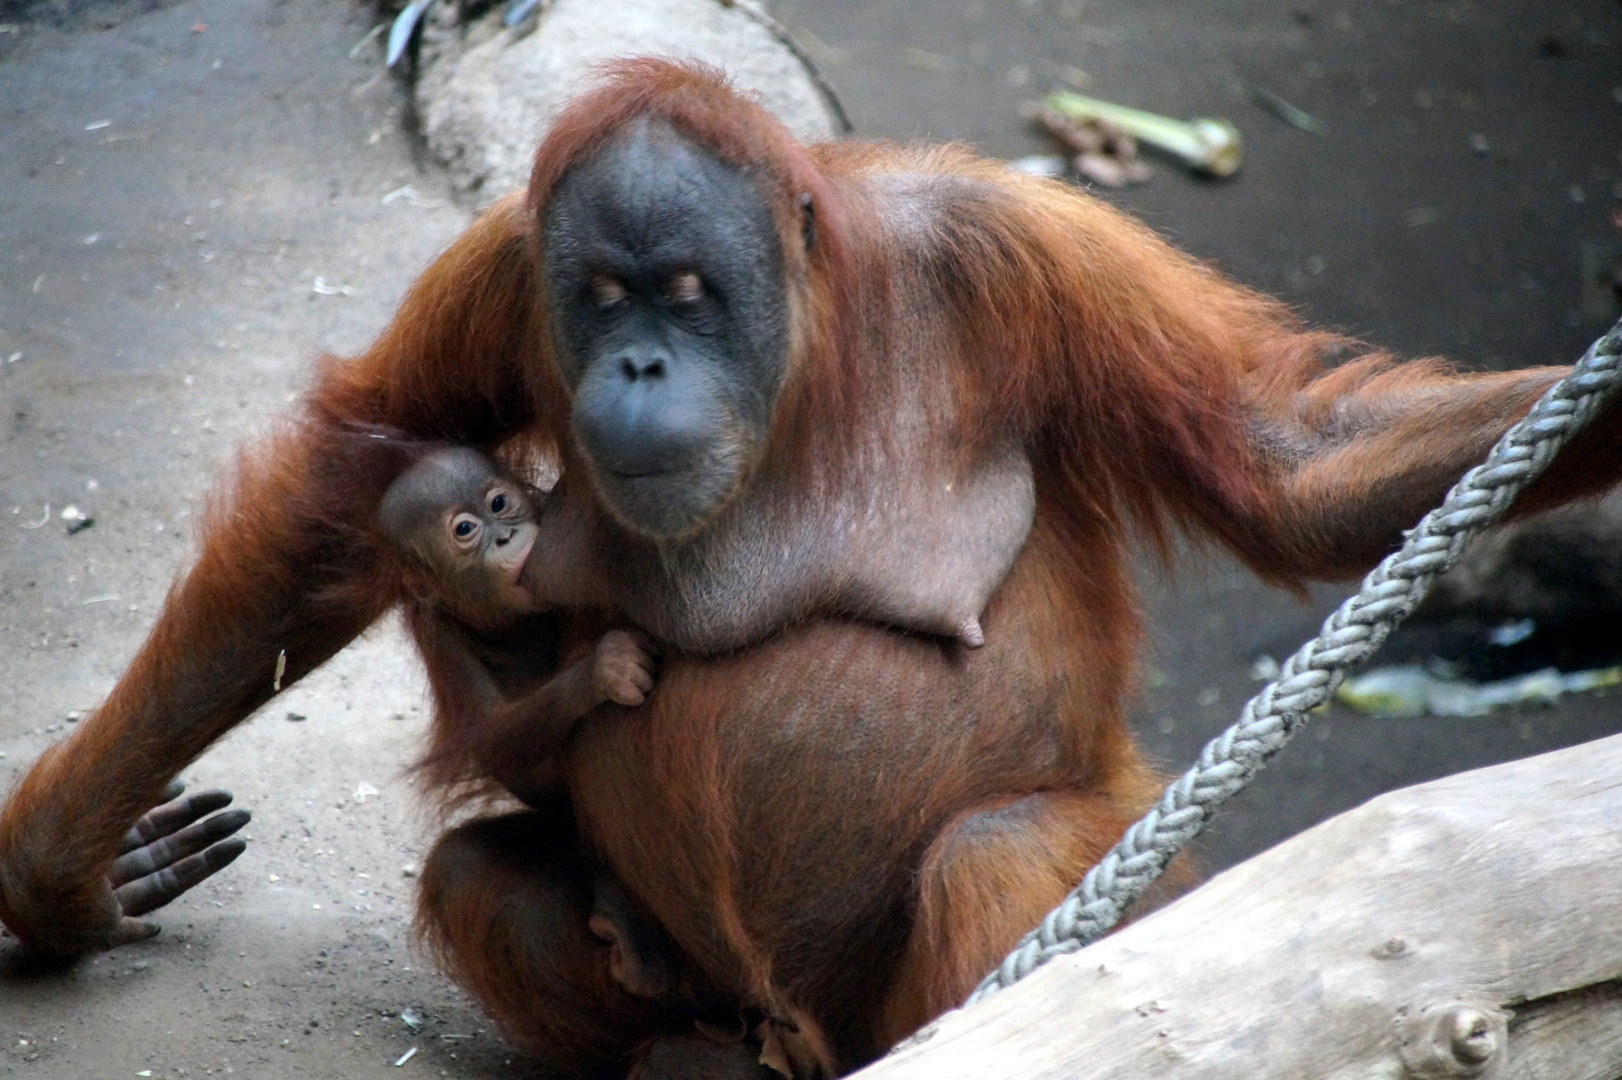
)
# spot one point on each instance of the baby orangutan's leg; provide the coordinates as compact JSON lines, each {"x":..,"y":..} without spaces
{"x":504,"y":906}
{"x":641,"y":956}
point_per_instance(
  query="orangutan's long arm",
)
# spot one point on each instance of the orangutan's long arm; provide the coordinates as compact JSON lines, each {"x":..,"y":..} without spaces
{"x":1362,"y":451}
{"x":1171,"y":393}
{"x":287,"y":568}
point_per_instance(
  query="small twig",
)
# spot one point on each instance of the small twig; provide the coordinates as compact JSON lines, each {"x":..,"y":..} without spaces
{"x":412,"y":197}
{"x":1290,"y":114}
{"x":361,"y":44}
{"x":519,"y":11}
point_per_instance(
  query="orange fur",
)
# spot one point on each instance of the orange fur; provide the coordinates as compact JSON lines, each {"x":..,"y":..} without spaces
{"x":481,"y":897}
{"x":839,"y":825}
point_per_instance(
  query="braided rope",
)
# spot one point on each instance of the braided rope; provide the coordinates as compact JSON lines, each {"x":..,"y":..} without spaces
{"x":1310,"y":676}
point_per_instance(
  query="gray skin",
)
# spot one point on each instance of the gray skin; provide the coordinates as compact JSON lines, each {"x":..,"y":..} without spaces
{"x":440,"y":514}
{"x":666,"y":275}
{"x":671,"y":322}
{"x":173,"y":847}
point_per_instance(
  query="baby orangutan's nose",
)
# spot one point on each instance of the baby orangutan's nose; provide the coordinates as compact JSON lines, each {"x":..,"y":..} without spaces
{"x":506,"y":534}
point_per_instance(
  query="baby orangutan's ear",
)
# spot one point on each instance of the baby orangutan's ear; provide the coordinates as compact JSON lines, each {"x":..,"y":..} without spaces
{"x":419,"y":588}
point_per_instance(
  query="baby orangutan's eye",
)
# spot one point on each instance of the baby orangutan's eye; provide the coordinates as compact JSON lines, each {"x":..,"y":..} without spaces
{"x":464,"y":528}
{"x":499,"y":502}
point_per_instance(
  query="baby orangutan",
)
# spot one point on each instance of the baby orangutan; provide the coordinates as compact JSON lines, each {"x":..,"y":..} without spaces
{"x":471,"y":529}
{"x":465,"y":532}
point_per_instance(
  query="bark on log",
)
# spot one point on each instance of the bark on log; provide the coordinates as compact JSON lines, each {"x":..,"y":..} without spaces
{"x":1469,"y":927}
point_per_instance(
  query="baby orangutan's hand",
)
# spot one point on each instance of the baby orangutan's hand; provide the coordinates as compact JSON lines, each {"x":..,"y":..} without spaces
{"x":622,"y":666}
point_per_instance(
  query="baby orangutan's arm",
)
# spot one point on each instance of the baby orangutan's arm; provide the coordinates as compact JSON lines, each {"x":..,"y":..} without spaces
{"x":525,"y":734}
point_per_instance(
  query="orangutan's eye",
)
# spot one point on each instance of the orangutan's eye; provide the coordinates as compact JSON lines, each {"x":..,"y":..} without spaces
{"x":685,"y":288}
{"x":607,"y":292}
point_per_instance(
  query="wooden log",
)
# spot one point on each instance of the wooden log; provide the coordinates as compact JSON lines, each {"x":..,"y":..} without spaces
{"x":1469,"y":927}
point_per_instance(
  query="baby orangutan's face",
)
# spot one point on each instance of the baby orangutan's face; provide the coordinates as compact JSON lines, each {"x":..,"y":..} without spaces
{"x":489,"y":537}
{"x":470,"y":527}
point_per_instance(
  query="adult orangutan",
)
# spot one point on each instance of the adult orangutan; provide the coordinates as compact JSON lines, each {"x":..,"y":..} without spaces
{"x":748,"y":360}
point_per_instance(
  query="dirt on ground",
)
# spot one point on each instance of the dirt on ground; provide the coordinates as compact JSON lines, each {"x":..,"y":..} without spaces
{"x":197,"y":198}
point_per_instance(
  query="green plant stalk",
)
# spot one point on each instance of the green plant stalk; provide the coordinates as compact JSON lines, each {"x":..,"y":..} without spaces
{"x":1212,"y":146}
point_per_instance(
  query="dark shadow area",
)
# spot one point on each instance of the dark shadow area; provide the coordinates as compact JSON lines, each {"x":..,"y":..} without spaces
{"x":1465,"y":643}
{"x":20,"y":964}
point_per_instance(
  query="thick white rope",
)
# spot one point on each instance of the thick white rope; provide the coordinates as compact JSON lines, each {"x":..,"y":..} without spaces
{"x":1308,"y":678}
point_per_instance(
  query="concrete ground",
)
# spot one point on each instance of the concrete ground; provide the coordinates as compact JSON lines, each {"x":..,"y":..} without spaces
{"x":196,"y":200}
